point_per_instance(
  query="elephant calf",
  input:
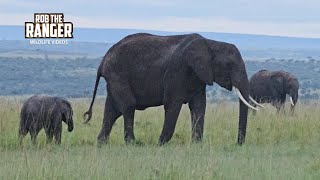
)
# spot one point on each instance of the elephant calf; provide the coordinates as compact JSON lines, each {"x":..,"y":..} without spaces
{"x":273,"y":86}
{"x":45,"y":112}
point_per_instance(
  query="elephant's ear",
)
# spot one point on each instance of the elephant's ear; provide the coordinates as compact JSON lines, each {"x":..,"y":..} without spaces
{"x":65,"y":109}
{"x":278,"y":82}
{"x":198,"y":56}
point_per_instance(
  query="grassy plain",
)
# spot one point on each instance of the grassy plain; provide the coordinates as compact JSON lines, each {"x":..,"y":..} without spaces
{"x":278,"y":146}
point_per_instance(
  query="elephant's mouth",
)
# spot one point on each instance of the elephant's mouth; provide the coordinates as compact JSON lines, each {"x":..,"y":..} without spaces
{"x":229,"y":87}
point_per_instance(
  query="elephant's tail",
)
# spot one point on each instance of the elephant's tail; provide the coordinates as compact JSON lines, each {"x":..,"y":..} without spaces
{"x":87,"y":115}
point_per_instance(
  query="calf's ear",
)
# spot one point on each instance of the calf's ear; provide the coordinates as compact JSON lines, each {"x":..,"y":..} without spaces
{"x":198,"y":56}
{"x":65,"y":109}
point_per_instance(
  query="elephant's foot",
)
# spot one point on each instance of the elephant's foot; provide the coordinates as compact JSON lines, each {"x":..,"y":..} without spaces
{"x":241,"y":138}
{"x":135,"y":143}
{"x":129,"y":137}
{"x":164,"y":140}
{"x":196,"y":138}
{"x":102,"y":140}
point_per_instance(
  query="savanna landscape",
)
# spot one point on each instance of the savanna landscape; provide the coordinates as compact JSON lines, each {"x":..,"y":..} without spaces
{"x":278,"y":146}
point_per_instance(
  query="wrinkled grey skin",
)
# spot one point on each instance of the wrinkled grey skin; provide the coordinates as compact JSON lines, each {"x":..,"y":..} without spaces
{"x":45,"y":112}
{"x":144,"y":70}
{"x":273,"y":86}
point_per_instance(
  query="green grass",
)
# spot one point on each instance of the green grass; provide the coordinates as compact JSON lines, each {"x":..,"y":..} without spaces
{"x":278,"y":146}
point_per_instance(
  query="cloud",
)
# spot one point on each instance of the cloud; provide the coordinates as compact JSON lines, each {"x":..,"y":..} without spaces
{"x":185,"y":24}
{"x":208,"y":24}
{"x":273,"y":17}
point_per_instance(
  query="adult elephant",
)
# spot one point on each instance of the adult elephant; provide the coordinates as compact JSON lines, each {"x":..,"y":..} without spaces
{"x":273,"y":86}
{"x":144,"y":70}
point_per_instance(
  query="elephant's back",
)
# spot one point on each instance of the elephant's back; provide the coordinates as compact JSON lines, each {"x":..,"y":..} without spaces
{"x":39,"y":104}
{"x":143,"y":52}
{"x":146,"y":47}
{"x":259,"y":83}
{"x":261,"y":77}
{"x":262,"y":74}
{"x":151,"y":38}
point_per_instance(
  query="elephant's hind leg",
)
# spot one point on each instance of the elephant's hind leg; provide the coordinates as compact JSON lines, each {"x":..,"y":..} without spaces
{"x":49,"y":137}
{"x":49,"y":134}
{"x":123,"y":100}
{"x":110,"y":116}
{"x":33,"y":135}
{"x":128,"y":125}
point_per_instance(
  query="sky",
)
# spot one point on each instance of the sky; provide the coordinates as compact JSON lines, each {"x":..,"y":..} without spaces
{"x":295,"y":18}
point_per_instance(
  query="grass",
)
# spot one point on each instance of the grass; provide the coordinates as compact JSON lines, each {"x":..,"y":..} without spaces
{"x":278,"y":146}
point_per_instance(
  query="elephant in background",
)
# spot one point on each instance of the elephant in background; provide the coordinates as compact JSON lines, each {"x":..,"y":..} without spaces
{"x":273,"y":86}
{"x":144,"y":70}
{"x":45,"y":112}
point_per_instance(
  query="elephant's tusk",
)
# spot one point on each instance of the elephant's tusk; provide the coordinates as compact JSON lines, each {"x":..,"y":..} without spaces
{"x":256,"y":102}
{"x":291,"y":101}
{"x":243,"y":100}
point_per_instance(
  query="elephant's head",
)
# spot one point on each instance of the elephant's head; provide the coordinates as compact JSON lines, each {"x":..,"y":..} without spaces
{"x":287,"y":84}
{"x":292,"y":89}
{"x":66,"y":109}
{"x":220,"y":62}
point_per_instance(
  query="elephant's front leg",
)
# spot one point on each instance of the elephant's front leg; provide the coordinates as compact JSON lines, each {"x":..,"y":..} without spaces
{"x":128,"y":125}
{"x":281,"y":103}
{"x":172,"y":111}
{"x":197,"y":107}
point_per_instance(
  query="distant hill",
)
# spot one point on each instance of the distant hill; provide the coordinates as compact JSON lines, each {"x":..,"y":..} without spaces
{"x":243,"y":41}
{"x":22,"y":48}
{"x":70,"y":70}
{"x":15,"y":48}
{"x":75,"y":77}
{"x":89,"y":42}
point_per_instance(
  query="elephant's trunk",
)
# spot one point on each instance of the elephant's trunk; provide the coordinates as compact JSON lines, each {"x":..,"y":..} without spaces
{"x":70,"y":125}
{"x":243,"y":115}
{"x":241,"y":82}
